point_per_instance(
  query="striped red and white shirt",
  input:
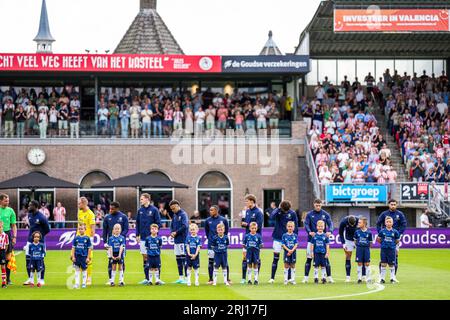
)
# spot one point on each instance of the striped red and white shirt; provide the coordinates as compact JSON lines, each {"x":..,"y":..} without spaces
{"x":4,"y":241}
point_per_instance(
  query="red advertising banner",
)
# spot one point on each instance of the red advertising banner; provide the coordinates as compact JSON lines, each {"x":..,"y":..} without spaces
{"x":374,"y":19}
{"x":110,"y":63}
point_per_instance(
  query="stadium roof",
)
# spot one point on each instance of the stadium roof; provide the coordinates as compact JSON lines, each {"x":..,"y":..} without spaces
{"x":44,"y":33}
{"x":319,"y":40}
{"x":270,"y":48}
{"x":148,"y":34}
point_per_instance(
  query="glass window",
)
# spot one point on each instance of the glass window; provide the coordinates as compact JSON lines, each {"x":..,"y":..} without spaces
{"x":98,"y":197}
{"x":346,"y":68}
{"x":93,"y":178}
{"x":269,"y":197}
{"x":214,"y":180}
{"x":206,"y":199}
{"x":403,"y":66}
{"x":159,"y":174}
{"x":421,"y":65}
{"x":363,"y":67}
{"x":438,"y":67}
{"x":311,"y":78}
{"x":327,"y":68}
{"x":381,"y":66}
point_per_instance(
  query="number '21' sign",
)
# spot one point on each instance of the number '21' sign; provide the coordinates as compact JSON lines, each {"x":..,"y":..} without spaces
{"x":414,"y":192}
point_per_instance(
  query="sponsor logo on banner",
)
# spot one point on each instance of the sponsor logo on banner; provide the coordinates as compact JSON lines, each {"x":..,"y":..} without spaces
{"x":291,"y":63}
{"x":355,"y":193}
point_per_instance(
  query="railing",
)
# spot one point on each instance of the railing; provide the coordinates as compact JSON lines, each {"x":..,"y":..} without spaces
{"x":438,"y":202}
{"x":314,"y":178}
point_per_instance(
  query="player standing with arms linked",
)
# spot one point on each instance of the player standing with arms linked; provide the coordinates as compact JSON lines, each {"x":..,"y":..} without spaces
{"x":311,"y":220}
{"x":252,"y":214}
{"x":400,"y":224}
{"x":147,"y":215}
{"x":211,"y":231}
{"x":347,"y":229}
{"x":179,"y":229}
{"x":87,"y":217}
{"x":38,"y":223}
{"x":281,"y":216}
{"x":8,"y":216}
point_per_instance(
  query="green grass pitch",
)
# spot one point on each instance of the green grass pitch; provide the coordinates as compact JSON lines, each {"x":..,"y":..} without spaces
{"x":423,"y":274}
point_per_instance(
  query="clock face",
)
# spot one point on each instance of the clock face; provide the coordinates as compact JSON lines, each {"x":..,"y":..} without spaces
{"x":206,"y":63}
{"x":36,"y":156}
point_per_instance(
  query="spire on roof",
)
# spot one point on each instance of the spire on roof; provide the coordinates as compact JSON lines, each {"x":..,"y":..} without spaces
{"x":148,"y":4}
{"x":44,"y":37}
{"x":270,"y":48}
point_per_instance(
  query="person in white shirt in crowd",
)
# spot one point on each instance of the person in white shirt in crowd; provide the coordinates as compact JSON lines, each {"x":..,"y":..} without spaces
{"x":325,"y":176}
{"x":103,"y":114}
{"x":178,"y":117}
{"x":425,"y":221}
{"x":442,"y":107}
{"x":199,"y":120}
{"x":59,"y":215}
{"x":261,"y":117}
{"x":135,"y":122}
{"x":146,"y":115}
{"x":124,"y":116}
{"x":53,"y":120}
{"x":43,"y":123}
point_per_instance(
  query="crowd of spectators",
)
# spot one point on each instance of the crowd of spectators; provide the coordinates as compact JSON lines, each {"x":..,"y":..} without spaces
{"x":346,"y":142}
{"x":418,"y":119}
{"x":138,"y":113}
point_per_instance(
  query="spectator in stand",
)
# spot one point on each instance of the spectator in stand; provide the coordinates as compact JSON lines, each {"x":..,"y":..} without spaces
{"x":124,"y":116}
{"x":199,"y":121}
{"x":196,"y":218}
{"x":168,"y":119}
{"x":103,"y":115}
{"x":113,"y":118}
{"x":261,"y":116}
{"x":53,"y":120}
{"x":189,"y":121}
{"x":222,"y":117}
{"x":146,"y":115}
{"x":178,"y":117}
{"x":21,"y":118}
{"x":59,"y":215}
{"x":43,"y":123}
{"x":8,"y":117}
{"x":44,"y":210}
{"x":74,"y":119}
{"x":210,"y":114}
{"x":135,"y":120}
{"x":249,"y":116}
{"x":157,"y":119}
{"x":274,"y":116}
{"x":131,"y":221}
{"x":425,"y":221}
{"x":63,"y":120}
{"x":99,"y":215}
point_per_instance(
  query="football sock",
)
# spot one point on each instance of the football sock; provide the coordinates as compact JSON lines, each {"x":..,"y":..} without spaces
{"x":289,"y":274}
{"x":276,"y":258}
{"x":286,"y":272}
{"x":348,"y":267}
{"x":146,"y":269}
{"x":188,"y":276}
{"x":28,"y":262}
{"x":43,"y":270}
{"x":39,"y":276}
{"x":210,"y":268}
{"x":215,"y":275}
{"x":307,"y":266}
{"x":121,"y":274}
{"x":292,"y":277}
{"x":328,"y":267}
{"x":7,"y":272}
{"x":225,"y":275}
{"x":151,"y":275}
{"x":396,"y":264}
{"x":196,"y":272}
{"x":77,"y":277}
{"x":113,"y":276}
{"x":32,"y":276}
{"x":85,"y":276}
{"x":3,"y":275}
{"x":383,"y":272}
{"x":244,"y":268}
{"x":228,"y":272}
{"x":249,"y":274}
{"x":157,"y":275}
{"x":392,"y":270}
{"x":180,"y":265}
{"x":359,"y":268}
{"x":256,"y":272}
{"x":379,"y":267}
{"x":324,"y":272}
{"x":364,"y":271}
{"x":316,"y":272}
{"x":367,"y":272}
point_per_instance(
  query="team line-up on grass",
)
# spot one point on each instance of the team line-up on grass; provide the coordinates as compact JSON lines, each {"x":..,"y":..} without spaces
{"x":187,"y":244}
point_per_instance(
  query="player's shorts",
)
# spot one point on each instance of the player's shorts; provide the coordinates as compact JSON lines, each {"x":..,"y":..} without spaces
{"x":142,"y":247}
{"x":194,"y":264}
{"x":388,"y":256}
{"x":154,"y":262}
{"x":349,"y":245}
{"x":10,"y":245}
{"x":220,"y":260}
{"x":80,"y":262}
{"x":290,"y":259}
{"x":37,"y":265}
{"x":2,"y":257}
{"x":211,"y":254}
{"x":252,"y":256}
{"x":179,"y":249}
{"x":320,"y":260}
{"x":362,"y":254}
{"x":115,"y":255}
{"x":309,"y":253}
{"x":277,"y":246}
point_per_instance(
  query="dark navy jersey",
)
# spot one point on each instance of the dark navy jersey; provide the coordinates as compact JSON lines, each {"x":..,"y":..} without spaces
{"x":153,"y":245}
{"x":320,"y":242}
{"x":81,"y":244}
{"x":38,"y":222}
{"x":193,"y":243}
{"x":254,"y":215}
{"x":289,"y":240}
{"x":36,"y":251}
{"x":220,"y":244}
{"x":146,"y":216}
{"x":363,"y":238}
{"x":110,"y":221}
{"x":211,"y":227}
{"x":313,"y":217}
{"x":389,"y":238}
{"x":116,"y":242}
{"x":281,"y":219}
{"x":398,"y":217}
{"x":252,"y":241}
{"x":346,"y":230}
{"x":180,"y":225}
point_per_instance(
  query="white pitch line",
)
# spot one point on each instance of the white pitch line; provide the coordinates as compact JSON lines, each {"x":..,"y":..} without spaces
{"x":379,"y":288}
